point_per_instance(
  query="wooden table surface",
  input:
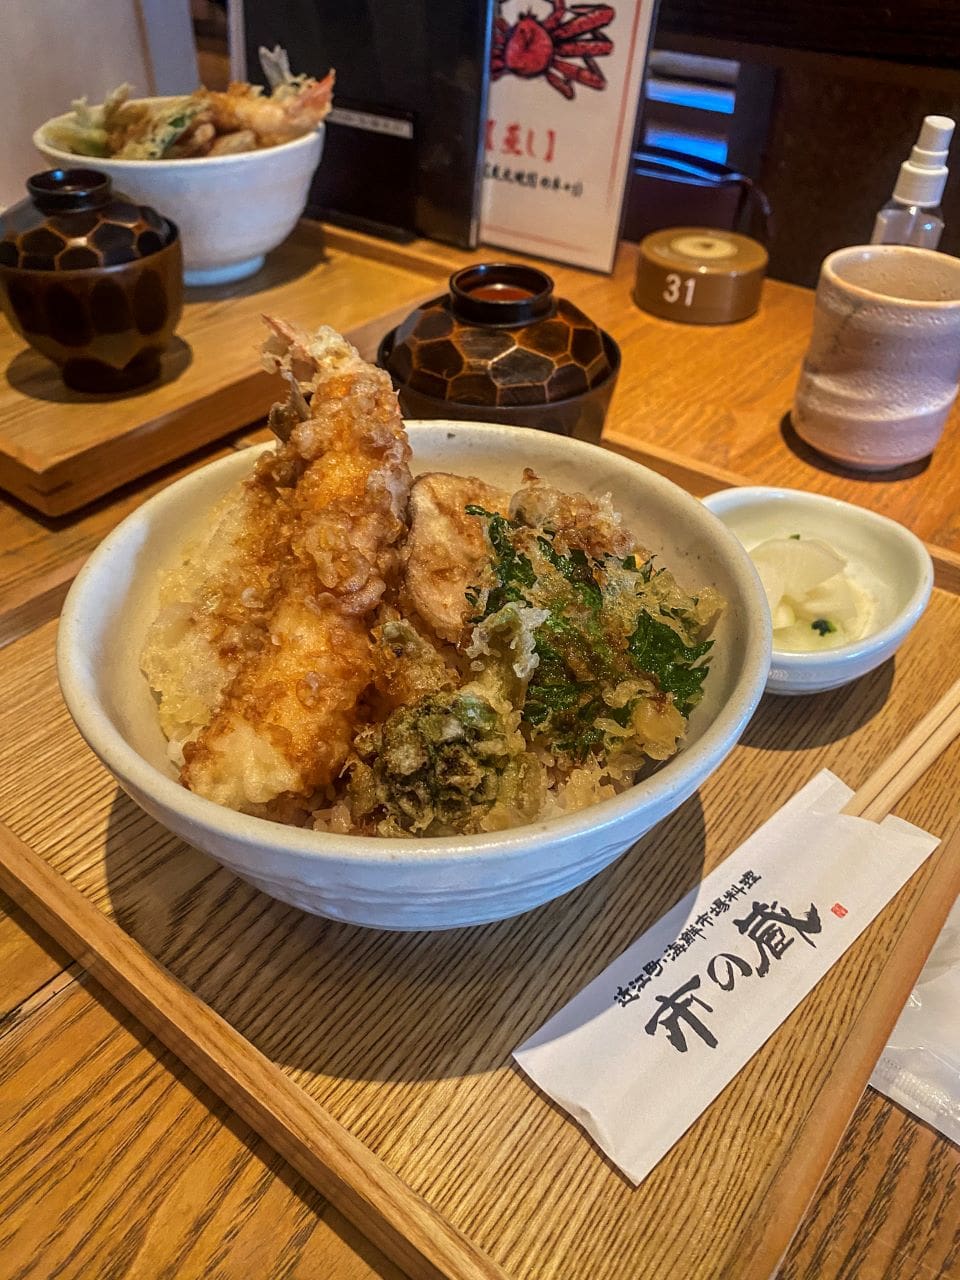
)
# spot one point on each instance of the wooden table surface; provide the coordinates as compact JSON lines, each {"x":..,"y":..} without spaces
{"x":118,"y":1163}
{"x":210,"y":383}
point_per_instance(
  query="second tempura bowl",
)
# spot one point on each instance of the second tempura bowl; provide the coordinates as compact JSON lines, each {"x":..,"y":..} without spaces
{"x":231,"y":210}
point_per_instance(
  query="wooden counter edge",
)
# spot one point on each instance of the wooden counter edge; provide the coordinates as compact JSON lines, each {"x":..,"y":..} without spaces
{"x":38,"y":601}
{"x":83,"y":477}
{"x":336,"y":1163}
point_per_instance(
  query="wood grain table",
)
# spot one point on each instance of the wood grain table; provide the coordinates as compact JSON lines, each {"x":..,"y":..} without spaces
{"x":114,"y":1161}
{"x":61,"y":448}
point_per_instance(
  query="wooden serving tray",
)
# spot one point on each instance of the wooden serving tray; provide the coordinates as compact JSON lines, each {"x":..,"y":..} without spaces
{"x":404,"y":1040}
{"x":60,"y":449}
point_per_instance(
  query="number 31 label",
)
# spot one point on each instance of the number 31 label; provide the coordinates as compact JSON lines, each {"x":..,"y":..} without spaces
{"x":677,"y":285}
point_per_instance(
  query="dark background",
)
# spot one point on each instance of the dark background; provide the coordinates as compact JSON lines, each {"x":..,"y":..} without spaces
{"x":829,"y":99}
{"x":421,"y":59}
{"x":829,"y":103}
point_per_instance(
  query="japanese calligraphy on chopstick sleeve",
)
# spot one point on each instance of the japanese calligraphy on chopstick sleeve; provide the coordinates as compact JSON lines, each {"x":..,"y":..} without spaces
{"x":641,"y":1052}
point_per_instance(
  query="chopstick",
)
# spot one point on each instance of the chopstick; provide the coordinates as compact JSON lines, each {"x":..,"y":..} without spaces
{"x":331,"y":1159}
{"x":891,"y":781}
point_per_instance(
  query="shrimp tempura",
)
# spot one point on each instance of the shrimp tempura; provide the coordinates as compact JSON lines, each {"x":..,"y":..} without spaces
{"x":261,"y":650}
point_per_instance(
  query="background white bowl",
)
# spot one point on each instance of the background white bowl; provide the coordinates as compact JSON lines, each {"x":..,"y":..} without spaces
{"x":892,"y":559}
{"x":396,"y":883}
{"x":231,"y":210}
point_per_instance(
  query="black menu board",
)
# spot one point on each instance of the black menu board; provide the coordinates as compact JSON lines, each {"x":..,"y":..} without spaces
{"x":403,"y":150}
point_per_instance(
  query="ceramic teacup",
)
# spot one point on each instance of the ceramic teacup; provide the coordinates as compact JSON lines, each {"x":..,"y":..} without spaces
{"x":883,"y":365}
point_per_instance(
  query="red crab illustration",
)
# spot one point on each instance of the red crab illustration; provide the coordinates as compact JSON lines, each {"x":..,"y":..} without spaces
{"x":534,"y":47}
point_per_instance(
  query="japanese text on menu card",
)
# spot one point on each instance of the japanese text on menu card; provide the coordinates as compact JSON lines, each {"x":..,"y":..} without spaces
{"x":564,"y":94}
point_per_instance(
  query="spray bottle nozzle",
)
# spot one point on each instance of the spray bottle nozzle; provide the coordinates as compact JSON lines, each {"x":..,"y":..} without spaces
{"x":923,"y":176}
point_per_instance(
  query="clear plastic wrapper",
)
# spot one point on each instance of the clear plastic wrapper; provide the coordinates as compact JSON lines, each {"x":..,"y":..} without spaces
{"x":920,"y":1066}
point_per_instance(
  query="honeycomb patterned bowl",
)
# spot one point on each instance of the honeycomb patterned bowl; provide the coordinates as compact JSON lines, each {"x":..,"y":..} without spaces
{"x":499,"y":347}
{"x":90,"y":279}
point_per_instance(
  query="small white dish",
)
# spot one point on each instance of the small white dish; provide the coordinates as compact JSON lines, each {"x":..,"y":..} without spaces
{"x":230,"y":210}
{"x":888,"y":559}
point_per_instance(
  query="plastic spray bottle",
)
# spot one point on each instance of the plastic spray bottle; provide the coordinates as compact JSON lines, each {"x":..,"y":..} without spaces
{"x":912,"y":215}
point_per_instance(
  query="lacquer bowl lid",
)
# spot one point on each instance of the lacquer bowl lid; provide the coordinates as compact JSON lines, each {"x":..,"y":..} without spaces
{"x":73,"y":220}
{"x":499,"y":338}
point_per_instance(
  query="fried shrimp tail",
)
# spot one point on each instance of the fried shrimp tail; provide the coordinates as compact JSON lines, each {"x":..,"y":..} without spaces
{"x":293,"y":109}
{"x":270,"y":618}
{"x":205,"y":123}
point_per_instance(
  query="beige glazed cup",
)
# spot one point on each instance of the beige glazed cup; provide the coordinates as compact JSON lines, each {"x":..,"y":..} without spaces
{"x":882,"y":369}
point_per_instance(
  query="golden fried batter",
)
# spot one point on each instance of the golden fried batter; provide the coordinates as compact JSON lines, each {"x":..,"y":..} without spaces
{"x":584,"y":524}
{"x":262,"y":648}
{"x":407,"y":665}
{"x":446,"y":550}
{"x":529,"y":659}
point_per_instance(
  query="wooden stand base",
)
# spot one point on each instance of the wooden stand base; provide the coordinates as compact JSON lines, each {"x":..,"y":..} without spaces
{"x":61,"y":448}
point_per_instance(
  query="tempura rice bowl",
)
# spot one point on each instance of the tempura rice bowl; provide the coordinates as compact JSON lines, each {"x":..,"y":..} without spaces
{"x":435,"y":883}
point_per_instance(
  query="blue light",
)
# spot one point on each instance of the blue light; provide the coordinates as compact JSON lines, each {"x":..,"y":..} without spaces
{"x":691,"y":144}
{"x":682,"y":94}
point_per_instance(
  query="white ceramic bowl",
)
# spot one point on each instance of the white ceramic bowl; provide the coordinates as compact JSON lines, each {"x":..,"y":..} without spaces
{"x":397,"y":883}
{"x":231,"y":210}
{"x":894,"y":563}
